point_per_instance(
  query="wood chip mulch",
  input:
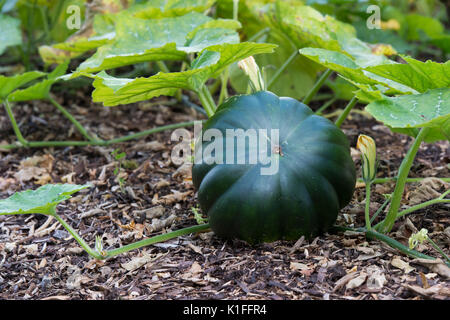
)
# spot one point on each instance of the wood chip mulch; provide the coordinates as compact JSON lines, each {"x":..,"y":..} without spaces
{"x":39,"y":259}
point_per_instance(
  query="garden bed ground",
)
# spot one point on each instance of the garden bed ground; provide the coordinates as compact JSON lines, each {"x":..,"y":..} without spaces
{"x":38,"y":259}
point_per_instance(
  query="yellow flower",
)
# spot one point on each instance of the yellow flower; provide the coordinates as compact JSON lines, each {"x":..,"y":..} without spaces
{"x":383,"y":49}
{"x":391,"y":24}
{"x":368,"y":150}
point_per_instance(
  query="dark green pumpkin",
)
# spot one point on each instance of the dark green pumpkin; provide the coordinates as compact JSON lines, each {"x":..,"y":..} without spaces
{"x":315,"y":178}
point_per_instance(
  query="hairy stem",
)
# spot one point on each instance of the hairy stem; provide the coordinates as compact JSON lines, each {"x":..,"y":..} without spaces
{"x":404,"y":169}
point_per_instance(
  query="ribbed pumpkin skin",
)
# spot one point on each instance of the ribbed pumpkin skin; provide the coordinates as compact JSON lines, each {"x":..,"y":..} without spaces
{"x":316,"y":175}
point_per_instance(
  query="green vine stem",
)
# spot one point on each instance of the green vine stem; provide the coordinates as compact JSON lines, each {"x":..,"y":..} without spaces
{"x":76,"y":236}
{"x":326,"y":105}
{"x":259,"y":34}
{"x":438,"y":249}
{"x":223,"y":86}
{"x":346,"y":111}
{"x":404,"y":169}
{"x":317,"y":86}
{"x":16,"y":129}
{"x":235,"y":9}
{"x":72,"y":119}
{"x":408,"y":180}
{"x":40,"y":144}
{"x":367,"y":208}
{"x":439,"y":199}
{"x":156,"y":239}
{"x":150,"y":131}
{"x":282,"y":68}
{"x":372,"y":234}
{"x":132,"y":246}
{"x":385,"y":203}
{"x":207,"y":101}
{"x":45,"y":23}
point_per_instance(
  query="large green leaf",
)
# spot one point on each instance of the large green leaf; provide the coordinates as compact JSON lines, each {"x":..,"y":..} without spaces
{"x":361,"y":52}
{"x":305,"y":26}
{"x":42,"y":200}
{"x":94,"y":33}
{"x":9,"y":32}
{"x":295,"y":81}
{"x":443,"y":42}
{"x":99,"y":33}
{"x":101,"y":30}
{"x":9,"y":84}
{"x":420,"y":26}
{"x":350,"y":68}
{"x":430,"y":109}
{"x":210,"y":63}
{"x":421,"y":76}
{"x":169,"y":8}
{"x":292,"y":26}
{"x":41,"y":89}
{"x":7,"y":5}
{"x":338,"y":62}
{"x":139,"y":40}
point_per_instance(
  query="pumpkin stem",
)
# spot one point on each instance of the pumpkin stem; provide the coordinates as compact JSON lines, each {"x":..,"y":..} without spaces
{"x":277,"y":150}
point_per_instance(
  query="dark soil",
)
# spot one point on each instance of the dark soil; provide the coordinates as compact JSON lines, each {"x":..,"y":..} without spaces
{"x":39,"y":260}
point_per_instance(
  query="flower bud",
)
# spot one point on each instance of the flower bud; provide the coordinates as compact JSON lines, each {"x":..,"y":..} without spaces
{"x":368,"y":150}
{"x":251,"y":69}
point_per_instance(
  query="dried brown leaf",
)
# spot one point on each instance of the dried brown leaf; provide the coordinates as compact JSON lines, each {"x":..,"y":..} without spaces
{"x":137,"y":262}
{"x":437,"y":266}
{"x":376,"y":278}
{"x":439,"y":291}
{"x":357,"y":281}
{"x":184,"y":172}
{"x":428,"y":188}
{"x":344,"y":280}
{"x":175,"y":196}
